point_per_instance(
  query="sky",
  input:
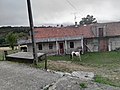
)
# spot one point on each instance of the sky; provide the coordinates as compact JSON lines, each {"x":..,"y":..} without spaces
{"x":48,"y":12}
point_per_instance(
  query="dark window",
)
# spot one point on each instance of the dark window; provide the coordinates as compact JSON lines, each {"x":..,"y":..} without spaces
{"x":100,"y":32}
{"x":40,"y":46}
{"x":71,"y":44}
{"x":50,"y":46}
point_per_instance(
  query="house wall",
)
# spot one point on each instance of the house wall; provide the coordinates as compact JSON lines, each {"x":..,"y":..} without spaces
{"x":92,"y":45}
{"x":103,"y":44}
{"x":29,"y":47}
{"x":67,"y":49}
{"x":45,"y":48}
{"x":114,"y":43}
{"x":77,"y":43}
{"x":107,"y":44}
{"x":95,"y":30}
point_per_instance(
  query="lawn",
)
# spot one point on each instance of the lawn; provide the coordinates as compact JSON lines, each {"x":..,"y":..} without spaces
{"x":104,"y":64}
{"x":92,"y":59}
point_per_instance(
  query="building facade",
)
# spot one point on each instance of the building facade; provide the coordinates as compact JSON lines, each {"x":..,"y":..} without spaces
{"x":63,"y":40}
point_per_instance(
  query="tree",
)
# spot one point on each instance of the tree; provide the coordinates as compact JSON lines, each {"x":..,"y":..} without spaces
{"x":89,"y":19}
{"x":11,"y":38}
{"x":22,"y":35}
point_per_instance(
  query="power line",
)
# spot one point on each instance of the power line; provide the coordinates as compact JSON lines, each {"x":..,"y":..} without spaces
{"x":71,"y":4}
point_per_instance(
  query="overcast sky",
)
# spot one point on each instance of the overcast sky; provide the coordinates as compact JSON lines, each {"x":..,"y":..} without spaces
{"x":14,"y":12}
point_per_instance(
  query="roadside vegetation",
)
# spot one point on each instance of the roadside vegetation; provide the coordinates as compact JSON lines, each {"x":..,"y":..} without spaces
{"x":8,"y":51}
{"x":104,"y":80}
{"x":1,"y":55}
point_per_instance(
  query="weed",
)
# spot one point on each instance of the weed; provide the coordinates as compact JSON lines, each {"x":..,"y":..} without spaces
{"x":83,"y":85}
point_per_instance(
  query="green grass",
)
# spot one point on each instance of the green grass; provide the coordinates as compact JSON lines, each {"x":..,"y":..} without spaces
{"x":58,"y":58}
{"x":111,"y":59}
{"x":1,"y":56}
{"x":104,"y":80}
{"x":41,"y":65}
{"x":100,"y":58}
{"x":9,"y":52}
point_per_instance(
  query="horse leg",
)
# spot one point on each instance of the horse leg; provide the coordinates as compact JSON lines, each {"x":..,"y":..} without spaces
{"x":72,"y":56}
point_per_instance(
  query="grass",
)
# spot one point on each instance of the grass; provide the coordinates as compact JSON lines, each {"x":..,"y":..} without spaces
{"x":40,"y":65}
{"x":93,"y":59}
{"x":104,"y":80}
{"x":9,"y":52}
{"x":108,"y":62}
{"x":58,"y":58}
{"x":101,"y":58}
{"x":1,"y":55}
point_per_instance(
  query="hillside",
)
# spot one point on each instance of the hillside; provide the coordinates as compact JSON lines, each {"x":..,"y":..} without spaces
{"x":5,"y":30}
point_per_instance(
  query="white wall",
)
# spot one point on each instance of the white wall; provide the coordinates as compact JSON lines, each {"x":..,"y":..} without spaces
{"x":29,"y":47}
{"x":92,"y":45}
{"x":114,"y":43}
{"x":45,"y":47}
{"x":77,"y":43}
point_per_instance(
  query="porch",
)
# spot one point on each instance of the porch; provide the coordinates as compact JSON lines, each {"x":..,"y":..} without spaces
{"x":58,"y":46}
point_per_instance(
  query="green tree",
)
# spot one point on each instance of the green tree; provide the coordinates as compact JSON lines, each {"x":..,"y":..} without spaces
{"x":89,"y":19}
{"x":22,"y":35}
{"x":11,"y":39}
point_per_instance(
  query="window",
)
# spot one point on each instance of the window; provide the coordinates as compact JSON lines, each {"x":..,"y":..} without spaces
{"x":100,"y":32}
{"x":40,"y":46}
{"x":50,"y":46}
{"x":71,"y":44}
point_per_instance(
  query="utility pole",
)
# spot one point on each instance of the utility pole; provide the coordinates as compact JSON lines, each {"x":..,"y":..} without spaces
{"x":35,"y":58}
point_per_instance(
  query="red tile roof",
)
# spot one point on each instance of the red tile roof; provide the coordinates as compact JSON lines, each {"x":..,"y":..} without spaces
{"x":111,"y":29}
{"x":54,"y":32}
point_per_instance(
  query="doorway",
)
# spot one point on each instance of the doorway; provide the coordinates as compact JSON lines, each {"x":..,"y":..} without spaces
{"x":61,"y":48}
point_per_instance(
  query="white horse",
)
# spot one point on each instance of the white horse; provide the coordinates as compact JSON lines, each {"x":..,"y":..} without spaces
{"x":75,"y":54}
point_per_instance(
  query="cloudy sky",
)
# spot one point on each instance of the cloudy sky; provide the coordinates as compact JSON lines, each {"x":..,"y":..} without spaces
{"x":14,"y":12}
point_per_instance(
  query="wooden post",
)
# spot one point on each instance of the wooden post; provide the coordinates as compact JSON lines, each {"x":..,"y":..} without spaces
{"x":82,"y":45}
{"x":65,"y":47}
{"x":57,"y":47}
{"x":45,"y":62}
{"x":5,"y":54}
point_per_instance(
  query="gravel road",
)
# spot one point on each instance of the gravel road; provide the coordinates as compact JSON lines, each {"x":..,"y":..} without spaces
{"x":15,"y":76}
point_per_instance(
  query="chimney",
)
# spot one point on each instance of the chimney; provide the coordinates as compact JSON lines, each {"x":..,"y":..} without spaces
{"x":76,"y":24}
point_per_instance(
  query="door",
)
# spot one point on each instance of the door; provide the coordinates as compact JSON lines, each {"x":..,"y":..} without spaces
{"x":103,"y":45}
{"x":61,"y":48}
